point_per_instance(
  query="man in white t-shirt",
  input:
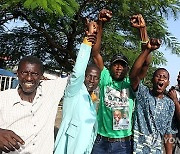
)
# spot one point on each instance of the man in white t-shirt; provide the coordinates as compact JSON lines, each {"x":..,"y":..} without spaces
{"x":27,"y":113}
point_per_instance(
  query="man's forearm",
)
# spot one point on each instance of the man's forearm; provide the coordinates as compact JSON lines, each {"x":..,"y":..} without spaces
{"x":168,"y":144}
{"x":97,"y":46}
{"x":143,"y":34}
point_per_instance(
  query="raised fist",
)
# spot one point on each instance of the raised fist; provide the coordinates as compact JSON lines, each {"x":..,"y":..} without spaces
{"x":137,"y":21}
{"x":153,"y":44}
{"x":91,"y":31}
{"x":105,"y":15}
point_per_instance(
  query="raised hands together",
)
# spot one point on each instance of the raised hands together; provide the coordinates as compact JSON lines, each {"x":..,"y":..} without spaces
{"x":91,"y":31}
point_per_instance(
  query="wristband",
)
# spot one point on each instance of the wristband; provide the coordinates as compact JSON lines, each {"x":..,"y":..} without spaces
{"x":85,"y":41}
{"x":144,"y":42}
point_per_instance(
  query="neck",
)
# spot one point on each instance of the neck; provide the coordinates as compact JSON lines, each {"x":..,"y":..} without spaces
{"x":29,"y":97}
{"x":90,"y":92}
{"x":158,"y":95}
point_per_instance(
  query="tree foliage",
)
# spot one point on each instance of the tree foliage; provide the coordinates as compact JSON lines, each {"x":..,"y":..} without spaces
{"x":56,"y":7}
{"x":54,"y":32}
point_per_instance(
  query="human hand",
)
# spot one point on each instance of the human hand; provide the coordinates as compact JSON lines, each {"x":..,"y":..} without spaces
{"x":137,"y":21}
{"x":172,"y":94}
{"x":91,"y":31}
{"x":105,"y":15}
{"x":152,"y":44}
{"x":9,"y":141}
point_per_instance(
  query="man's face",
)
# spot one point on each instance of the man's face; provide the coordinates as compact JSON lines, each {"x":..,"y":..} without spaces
{"x":119,"y":70}
{"x":160,"y":81}
{"x":91,"y":78}
{"x":117,"y":115}
{"x":29,"y":76}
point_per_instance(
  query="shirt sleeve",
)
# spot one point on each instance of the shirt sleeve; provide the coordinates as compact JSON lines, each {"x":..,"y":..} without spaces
{"x":171,"y":128}
{"x":105,"y":77}
{"x":77,"y":77}
{"x":141,"y":91}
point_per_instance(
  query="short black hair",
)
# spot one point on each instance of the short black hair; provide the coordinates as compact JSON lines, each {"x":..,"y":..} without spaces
{"x":32,"y":60}
{"x":160,"y":69}
{"x":92,"y":65}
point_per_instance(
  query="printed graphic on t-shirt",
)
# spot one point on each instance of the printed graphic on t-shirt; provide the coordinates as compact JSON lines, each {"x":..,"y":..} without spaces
{"x":118,"y":102}
{"x":120,"y":118}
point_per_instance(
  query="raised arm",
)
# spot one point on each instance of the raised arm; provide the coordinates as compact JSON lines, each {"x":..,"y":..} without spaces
{"x":138,"y":22}
{"x":104,"y":15}
{"x":78,"y":73}
{"x":168,"y":143}
{"x":135,"y":72}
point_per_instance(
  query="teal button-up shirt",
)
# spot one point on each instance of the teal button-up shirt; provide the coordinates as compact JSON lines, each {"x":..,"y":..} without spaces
{"x":78,"y":128}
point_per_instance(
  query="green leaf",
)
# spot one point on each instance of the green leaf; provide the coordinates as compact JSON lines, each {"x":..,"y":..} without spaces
{"x":28,"y":3}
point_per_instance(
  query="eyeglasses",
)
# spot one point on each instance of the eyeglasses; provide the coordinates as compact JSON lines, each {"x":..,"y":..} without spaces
{"x":25,"y":73}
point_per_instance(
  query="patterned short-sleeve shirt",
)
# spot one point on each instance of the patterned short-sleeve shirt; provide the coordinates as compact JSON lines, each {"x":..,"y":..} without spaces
{"x":152,"y":120}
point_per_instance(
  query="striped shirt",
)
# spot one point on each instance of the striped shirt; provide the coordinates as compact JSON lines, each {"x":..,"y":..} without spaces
{"x":33,"y":122}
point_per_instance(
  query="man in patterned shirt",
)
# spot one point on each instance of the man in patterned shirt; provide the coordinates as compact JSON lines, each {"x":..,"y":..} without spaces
{"x":153,"y":111}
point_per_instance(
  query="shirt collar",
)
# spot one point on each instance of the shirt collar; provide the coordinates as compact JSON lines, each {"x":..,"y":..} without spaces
{"x":19,"y":100}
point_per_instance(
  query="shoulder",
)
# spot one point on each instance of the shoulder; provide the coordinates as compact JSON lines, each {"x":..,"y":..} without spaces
{"x":7,"y":92}
{"x":58,"y":84}
{"x":169,"y":101}
{"x":143,"y":88}
{"x":8,"y":96}
{"x":105,"y":77}
{"x":105,"y":71}
{"x":58,"y":80}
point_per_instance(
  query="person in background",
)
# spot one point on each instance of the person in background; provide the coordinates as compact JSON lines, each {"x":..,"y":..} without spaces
{"x":174,"y":94}
{"x":115,"y":95}
{"x":28,"y":112}
{"x":78,"y":128}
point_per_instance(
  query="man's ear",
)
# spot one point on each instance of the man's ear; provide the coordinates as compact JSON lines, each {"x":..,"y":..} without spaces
{"x":128,"y":68}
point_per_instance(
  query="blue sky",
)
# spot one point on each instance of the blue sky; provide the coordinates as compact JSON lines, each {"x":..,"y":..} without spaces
{"x":173,"y":64}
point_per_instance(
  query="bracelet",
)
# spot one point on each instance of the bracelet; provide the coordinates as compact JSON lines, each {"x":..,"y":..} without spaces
{"x":144,"y":42}
{"x":85,"y":41}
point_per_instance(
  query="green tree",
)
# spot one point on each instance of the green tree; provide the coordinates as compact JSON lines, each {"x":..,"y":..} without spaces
{"x":55,"y":36}
{"x":57,"y":7}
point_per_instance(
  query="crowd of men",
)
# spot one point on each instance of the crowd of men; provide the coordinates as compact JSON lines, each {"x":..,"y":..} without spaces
{"x":131,"y":117}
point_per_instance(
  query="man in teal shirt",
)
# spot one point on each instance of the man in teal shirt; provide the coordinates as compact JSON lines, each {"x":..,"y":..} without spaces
{"x":79,"y":126}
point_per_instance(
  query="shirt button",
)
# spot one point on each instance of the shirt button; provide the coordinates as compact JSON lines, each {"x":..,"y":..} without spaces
{"x":33,"y":143}
{"x":34,"y":125}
